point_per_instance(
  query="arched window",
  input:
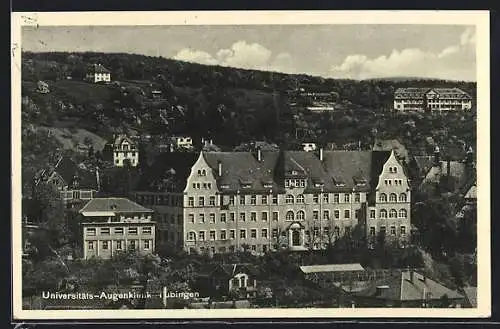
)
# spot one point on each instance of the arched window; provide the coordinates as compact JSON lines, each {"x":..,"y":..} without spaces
{"x":300,"y":198}
{"x":382,"y":197}
{"x":301,"y":215}
{"x":289,"y":215}
{"x":191,"y":236}
{"x":393,"y":197}
{"x":203,"y":172}
{"x":393,"y":213}
{"x":289,"y":199}
{"x":403,"y":213}
{"x":402,"y":197}
{"x":199,"y":172}
{"x":383,"y":213}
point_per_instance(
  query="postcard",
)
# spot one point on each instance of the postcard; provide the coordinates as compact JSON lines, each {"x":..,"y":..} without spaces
{"x":259,"y":164}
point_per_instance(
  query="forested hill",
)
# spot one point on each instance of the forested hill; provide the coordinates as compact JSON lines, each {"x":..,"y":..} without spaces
{"x":226,"y":104}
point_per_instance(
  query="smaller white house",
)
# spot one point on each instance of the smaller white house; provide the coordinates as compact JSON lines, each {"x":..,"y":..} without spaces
{"x":124,"y":149}
{"x":309,"y":147}
{"x":98,"y":73}
{"x":183,"y":142}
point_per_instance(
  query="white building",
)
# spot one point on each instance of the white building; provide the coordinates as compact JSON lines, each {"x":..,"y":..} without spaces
{"x":435,"y":99}
{"x":125,"y":150}
{"x":98,"y":73}
{"x":308,"y":147}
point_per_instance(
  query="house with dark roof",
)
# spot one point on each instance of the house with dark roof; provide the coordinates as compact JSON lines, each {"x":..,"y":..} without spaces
{"x":75,"y":184}
{"x":408,"y":288}
{"x":264,"y":200}
{"x":113,"y":225}
{"x":98,"y":73}
{"x":432,"y":99}
{"x":125,"y":151}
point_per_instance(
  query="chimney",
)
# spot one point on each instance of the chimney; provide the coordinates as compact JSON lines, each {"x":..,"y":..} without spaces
{"x":259,"y":154}
{"x":219,"y":164}
{"x":211,"y":142}
{"x":412,"y":275}
{"x":321,"y":154}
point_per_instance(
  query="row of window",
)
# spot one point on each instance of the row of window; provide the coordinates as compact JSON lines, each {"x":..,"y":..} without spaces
{"x":119,"y":244}
{"x":402,"y":230}
{"x":397,"y":182}
{"x":77,"y":194}
{"x":92,"y":231}
{"x":253,"y":247}
{"x":291,"y":183}
{"x":393,"y":170}
{"x":160,"y":200}
{"x":393,"y":197}
{"x":206,"y":186}
{"x":264,"y":199}
{"x":126,"y":154}
{"x":164,"y":218}
{"x":132,"y":161}
{"x":300,"y":215}
{"x":393,"y":213}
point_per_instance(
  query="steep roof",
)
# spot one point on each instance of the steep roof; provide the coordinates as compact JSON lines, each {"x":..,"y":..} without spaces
{"x":119,"y":139}
{"x":412,"y":93}
{"x":452,"y":93}
{"x":69,"y":171}
{"x":117,"y":205}
{"x":98,"y":68}
{"x":401,"y":287}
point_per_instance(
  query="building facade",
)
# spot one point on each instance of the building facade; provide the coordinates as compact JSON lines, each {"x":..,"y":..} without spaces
{"x":98,"y":73}
{"x":431,"y":99}
{"x":262,"y":201}
{"x":125,"y":150}
{"x":111,"y":225}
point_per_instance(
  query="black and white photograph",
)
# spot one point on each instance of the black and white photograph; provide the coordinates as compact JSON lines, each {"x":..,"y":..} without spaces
{"x":250,"y":165}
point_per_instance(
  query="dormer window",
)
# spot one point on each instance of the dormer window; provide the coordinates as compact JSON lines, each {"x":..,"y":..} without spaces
{"x":338,"y":181}
{"x":360,"y":181}
{"x":224,"y":186}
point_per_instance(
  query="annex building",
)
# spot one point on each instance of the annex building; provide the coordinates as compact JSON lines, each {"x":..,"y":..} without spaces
{"x":264,"y":200}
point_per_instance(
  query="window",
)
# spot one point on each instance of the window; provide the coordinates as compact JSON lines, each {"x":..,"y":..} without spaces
{"x":326,"y":214}
{"x":253,"y":233}
{"x":263,"y":199}
{"x":301,"y":215}
{"x":336,"y":214}
{"x":231,"y":200}
{"x":201,"y":218}
{"x":275,"y":216}
{"x":393,"y":213}
{"x":212,"y":218}
{"x":347,"y":198}
{"x":403,"y":213}
{"x":326,"y":198}
{"x":253,"y":216}
{"x":105,"y":245}
{"x":264,"y":216}
{"x":232,"y":217}
{"x":316,"y":198}
{"x":357,"y":197}
{"x":395,"y":169}
{"x":337,"y":231}
{"x":191,"y":201}
{"x":242,"y":217}
{"x":382,"y":197}
{"x":222,"y":218}
{"x":119,"y":245}
{"x":132,"y":244}
{"x":191,"y":236}
{"x":383,"y":213}
{"x":393,"y":197}
{"x":275,"y":232}
{"x":347,"y":213}
{"x":105,"y":230}
{"x":264,"y":233}
{"x":212,"y":201}
{"x":91,"y":245}
{"x":315,"y":215}
{"x":300,"y":198}
{"x":402,"y":197}
{"x":253,"y":200}
{"x":326,"y":231}
{"x":372,"y":231}
{"x":91,"y":231}
{"x":403,"y":230}
{"x":243,"y":234}
{"x":212,"y":234}
{"x":372,"y":214}
{"x":191,"y":218}
{"x":146,"y":230}
{"x":201,"y":235}
{"x":147,"y":244}
{"x":201,"y":201}
{"x":275,"y":199}
{"x":289,"y":215}
{"x":132,"y":230}
{"x":393,"y":230}
{"x":232,"y":234}
{"x":119,"y":230}
{"x":223,"y":234}
{"x":242,"y":200}
{"x":289,"y":199}
{"x":347,"y":230}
